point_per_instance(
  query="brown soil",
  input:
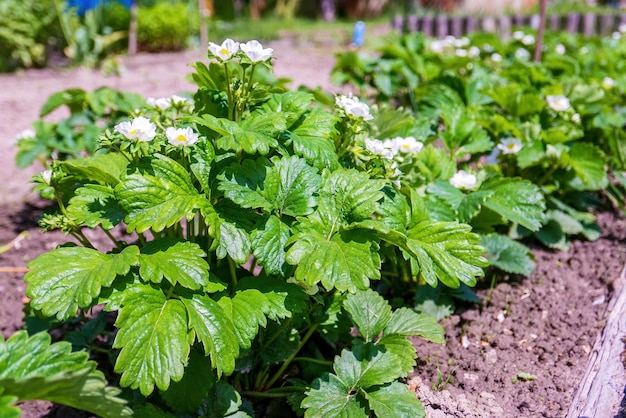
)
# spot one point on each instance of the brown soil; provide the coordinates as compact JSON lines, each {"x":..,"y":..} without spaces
{"x":544,"y":325}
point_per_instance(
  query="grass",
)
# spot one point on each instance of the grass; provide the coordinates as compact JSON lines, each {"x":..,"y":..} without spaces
{"x":271,"y":28}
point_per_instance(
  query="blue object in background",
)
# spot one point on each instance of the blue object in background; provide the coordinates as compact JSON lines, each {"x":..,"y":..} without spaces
{"x":83,"y":5}
{"x":359,"y":34}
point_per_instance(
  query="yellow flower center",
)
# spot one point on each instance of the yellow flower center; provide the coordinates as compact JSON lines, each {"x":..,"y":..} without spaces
{"x":510,"y":146}
{"x":181,"y":138}
{"x":224,"y":51}
{"x":133,"y":132}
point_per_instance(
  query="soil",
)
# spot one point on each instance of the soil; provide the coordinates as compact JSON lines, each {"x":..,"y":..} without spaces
{"x":544,"y":325}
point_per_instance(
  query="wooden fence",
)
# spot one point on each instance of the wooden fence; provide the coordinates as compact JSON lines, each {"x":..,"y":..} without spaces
{"x":588,"y":24}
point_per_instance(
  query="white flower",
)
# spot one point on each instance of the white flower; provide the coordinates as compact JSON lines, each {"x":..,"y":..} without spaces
{"x":225,"y":51}
{"x":26,"y":134}
{"x":463,"y":180}
{"x":437,"y":46}
{"x":560,"y":49}
{"x":353,"y":107}
{"x":461,"y":42}
{"x":608,"y":83}
{"x":510,"y":145}
{"x":622,"y":28}
{"x":160,"y":103}
{"x":518,"y":35}
{"x":378,"y":147}
{"x":495,"y":57}
{"x":460,"y":52}
{"x":46,"y":175}
{"x":616,"y":35}
{"x":181,"y":136}
{"x":255,"y":51}
{"x":473,"y":52}
{"x":558,"y":103}
{"x":139,"y":128}
{"x":488,"y":48}
{"x":528,"y":40}
{"x":576,"y":118}
{"x":522,"y":54}
{"x":408,"y":145}
{"x":584,"y":50}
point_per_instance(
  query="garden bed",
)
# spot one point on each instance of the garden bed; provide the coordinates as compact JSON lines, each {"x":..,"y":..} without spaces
{"x":522,"y":352}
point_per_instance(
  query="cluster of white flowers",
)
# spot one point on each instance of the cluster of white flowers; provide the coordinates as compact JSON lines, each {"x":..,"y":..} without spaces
{"x":558,"y":102}
{"x":353,"y":107}
{"x":463,"y":180}
{"x":163,"y":103}
{"x":143,"y":130}
{"x":252,"y":49}
{"x":495,"y":57}
{"x":522,"y":54}
{"x":524,"y":38}
{"x":389,"y":148}
{"x":576,"y":118}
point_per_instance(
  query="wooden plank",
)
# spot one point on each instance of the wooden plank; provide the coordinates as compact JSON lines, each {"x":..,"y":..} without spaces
{"x":456,"y":26}
{"x":504,"y":27}
{"x":413,"y":23}
{"x":442,"y":26}
{"x":607,"y":24}
{"x":397,"y":23}
{"x":471,"y":24}
{"x":601,"y":389}
{"x":589,"y":24}
{"x":427,"y":26}
{"x":573,"y":23}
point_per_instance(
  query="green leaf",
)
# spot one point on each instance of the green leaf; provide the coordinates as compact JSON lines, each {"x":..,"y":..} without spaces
{"x":187,"y":394}
{"x":33,"y":369}
{"x":395,"y":401}
{"x":551,"y":235}
{"x":232,"y":241}
{"x":516,"y":200}
{"x":178,"y":261}
{"x":255,"y":134}
{"x":402,"y":348}
{"x":313,"y":139}
{"x":409,"y":323}
{"x":330,"y":397}
{"x":269,"y":245}
{"x":67,"y":278}
{"x":95,"y":205}
{"x":282,"y":299}
{"x":153,"y":338}
{"x":158,"y":196}
{"x":246,"y":311}
{"x":223,"y":401}
{"x":214,"y":329}
{"x":588,"y":162}
{"x":7,"y":410}
{"x":369,"y":311}
{"x":367,"y":365}
{"x":292,"y":103}
{"x":244,"y":184}
{"x":446,"y":251}
{"x":104,"y":169}
{"x":348,"y":196}
{"x":507,"y":254}
{"x":201,"y":157}
{"x":291,"y":185}
{"x":434,"y":163}
{"x":346,"y":261}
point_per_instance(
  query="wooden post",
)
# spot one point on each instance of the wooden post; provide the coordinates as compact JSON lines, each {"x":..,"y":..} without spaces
{"x":206,"y":11}
{"x":456,"y":27}
{"x":427,"y":26}
{"x":471,"y":24}
{"x":504,"y":27}
{"x":442,"y":26}
{"x":555,"y":22}
{"x":489,"y":24}
{"x":589,"y":24}
{"x":543,"y":7}
{"x":413,"y":23}
{"x":132,"y":30}
{"x":607,"y":25}
{"x":397,"y":23}
{"x":573,"y":22}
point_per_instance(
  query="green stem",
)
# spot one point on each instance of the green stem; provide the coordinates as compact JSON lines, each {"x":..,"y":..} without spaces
{"x":233,"y":271}
{"x":287,"y":362}
{"x":280,"y":330}
{"x":231,"y":99}
{"x":254,"y":394}
{"x":547,"y":175}
{"x":108,"y":234}
{"x":314,"y":361}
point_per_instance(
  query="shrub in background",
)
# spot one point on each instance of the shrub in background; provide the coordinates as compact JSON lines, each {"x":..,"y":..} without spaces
{"x":25,"y":28}
{"x":166,"y":27}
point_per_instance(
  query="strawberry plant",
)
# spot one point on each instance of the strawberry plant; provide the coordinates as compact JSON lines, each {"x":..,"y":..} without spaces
{"x":246,"y":242}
